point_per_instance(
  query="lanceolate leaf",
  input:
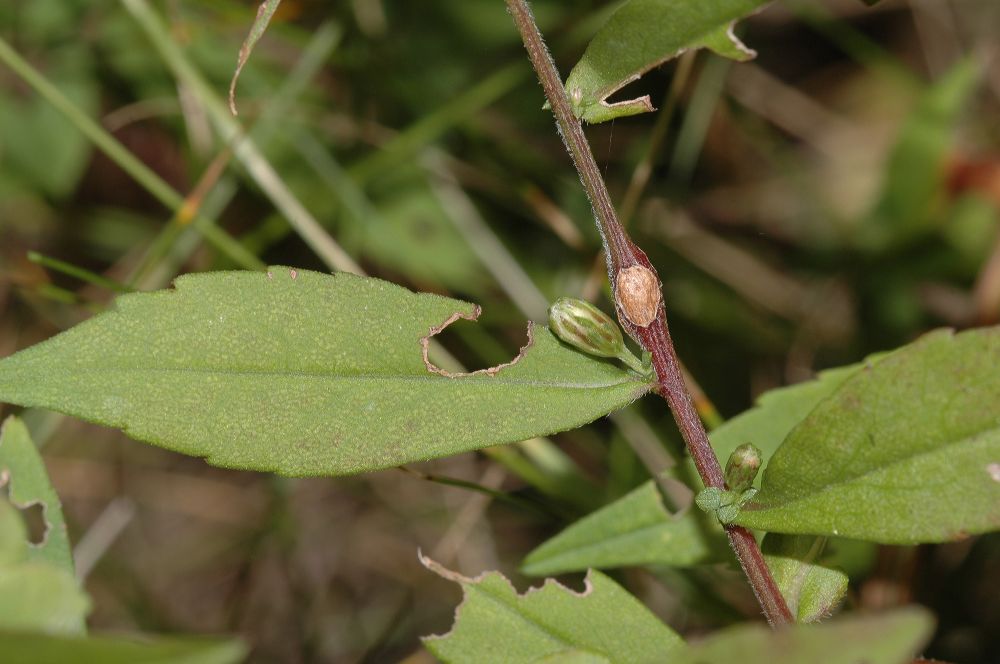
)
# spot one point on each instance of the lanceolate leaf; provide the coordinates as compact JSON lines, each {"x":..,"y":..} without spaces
{"x":552,"y":623}
{"x":905,"y":451}
{"x":640,"y":36}
{"x":27,"y":482}
{"x":303,"y":374}
{"x":891,"y":638}
{"x":634,"y":530}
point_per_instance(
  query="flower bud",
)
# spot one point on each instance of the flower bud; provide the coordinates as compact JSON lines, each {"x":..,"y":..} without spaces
{"x":742,"y":467}
{"x":584,"y":326}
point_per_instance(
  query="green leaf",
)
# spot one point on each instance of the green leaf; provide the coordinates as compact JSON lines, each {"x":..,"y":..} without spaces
{"x":34,"y":595}
{"x":890,"y":638}
{"x":552,"y":623}
{"x":634,"y":530}
{"x":22,"y":470}
{"x":906,"y":451}
{"x":777,"y":412}
{"x":48,"y":649}
{"x":303,"y":373}
{"x":811,"y":589}
{"x":643,"y":34}
{"x":260,"y":23}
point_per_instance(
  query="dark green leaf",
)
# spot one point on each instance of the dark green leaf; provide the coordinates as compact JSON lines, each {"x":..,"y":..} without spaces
{"x":644,"y":34}
{"x":303,"y":374}
{"x":906,"y":451}
{"x":552,"y":623}
{"x":777,"y":412}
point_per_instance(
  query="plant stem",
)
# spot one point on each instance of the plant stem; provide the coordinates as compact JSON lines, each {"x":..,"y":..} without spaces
{"x":639,"y":304}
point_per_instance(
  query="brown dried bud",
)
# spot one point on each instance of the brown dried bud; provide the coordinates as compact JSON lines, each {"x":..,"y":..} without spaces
{"x":638,"y":293}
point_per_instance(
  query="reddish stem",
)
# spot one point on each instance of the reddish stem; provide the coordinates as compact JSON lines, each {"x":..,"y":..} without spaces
{"x":653,"y":335}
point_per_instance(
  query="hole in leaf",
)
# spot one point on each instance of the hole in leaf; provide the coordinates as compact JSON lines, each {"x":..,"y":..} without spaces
{"x":33,"y":515}
{"x":480,"y":346}
{"x":34,"y":521}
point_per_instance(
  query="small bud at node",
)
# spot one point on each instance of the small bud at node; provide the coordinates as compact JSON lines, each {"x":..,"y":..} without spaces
{"x":742,"y":467}
{"x":584,"y":326}
{"x":638,"y":293}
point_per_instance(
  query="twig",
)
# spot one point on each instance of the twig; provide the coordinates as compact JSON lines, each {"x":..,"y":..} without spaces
{"x":639,"y":302}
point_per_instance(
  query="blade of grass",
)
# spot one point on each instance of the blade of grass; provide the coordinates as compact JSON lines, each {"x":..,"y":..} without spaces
{"x":76,"y":272}
{"x":222,"y":190}
{"x":244,"y":147}
{"x":264,"y":14}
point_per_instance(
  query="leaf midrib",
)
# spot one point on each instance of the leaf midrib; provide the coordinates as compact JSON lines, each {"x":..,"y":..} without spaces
{"x":346,"y":376}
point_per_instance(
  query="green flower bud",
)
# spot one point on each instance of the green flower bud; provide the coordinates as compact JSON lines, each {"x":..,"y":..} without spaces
{"x":584,"y":326}
{"x":742,"y":467}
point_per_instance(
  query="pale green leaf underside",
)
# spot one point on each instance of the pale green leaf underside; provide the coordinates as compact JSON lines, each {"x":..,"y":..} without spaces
{"x":905,"y":451}
{"x":640,"y":36}
{"x":22,"y":470}
{"x":302,"y":373}
{"x":46,"y":649}
{"x":811,"y":589}
{"x":603,"y":623}
{"x":35,"y":596}
{"x":889,"y":638}
{"x":633,"y":530}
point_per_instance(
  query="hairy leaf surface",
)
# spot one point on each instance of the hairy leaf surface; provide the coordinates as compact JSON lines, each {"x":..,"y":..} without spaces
{"x":905,"y":451}
{"x":303,"y":373}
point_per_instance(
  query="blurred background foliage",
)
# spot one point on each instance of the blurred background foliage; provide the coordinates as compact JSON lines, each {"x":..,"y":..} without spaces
{"x":837,"y":196}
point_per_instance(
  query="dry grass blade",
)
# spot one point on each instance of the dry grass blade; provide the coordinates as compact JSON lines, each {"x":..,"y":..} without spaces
{"x":264,"y":14}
